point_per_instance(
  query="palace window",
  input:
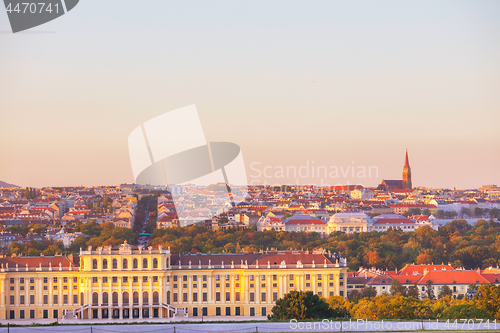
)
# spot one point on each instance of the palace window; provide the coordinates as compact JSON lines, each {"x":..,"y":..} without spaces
{"x":94,"y":264}
{"x":105,"y":264}
{"x":125,"y":298}
{"x":104,"y":298}
{"x":155,"y":263}
{"x":145,"y":263}
{"x":115,"y":264}
{"x":135,"y":263}
{"x":125,"y":264}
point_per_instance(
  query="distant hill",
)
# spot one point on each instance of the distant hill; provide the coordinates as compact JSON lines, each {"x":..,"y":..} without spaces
{"x":4,"y":184}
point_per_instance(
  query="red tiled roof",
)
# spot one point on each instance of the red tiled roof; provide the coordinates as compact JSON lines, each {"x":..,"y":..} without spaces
{"x":451,"y":277}
{"x":492,"y":278}
{"x":36,"y":261}
{"x":410,"y":269}
{"x":405,"y":279}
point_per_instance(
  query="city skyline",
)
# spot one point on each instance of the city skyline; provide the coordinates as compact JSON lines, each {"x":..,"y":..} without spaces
{"x":337,"y":84}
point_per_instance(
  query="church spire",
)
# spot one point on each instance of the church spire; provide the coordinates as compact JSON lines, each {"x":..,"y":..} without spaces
{"x":407,"y":173}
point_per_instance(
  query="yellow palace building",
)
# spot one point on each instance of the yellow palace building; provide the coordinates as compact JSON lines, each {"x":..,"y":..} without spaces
{"x":127,"y":281}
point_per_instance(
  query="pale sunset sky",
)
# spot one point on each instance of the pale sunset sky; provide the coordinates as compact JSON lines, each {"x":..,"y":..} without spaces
{"x":321,"y":83}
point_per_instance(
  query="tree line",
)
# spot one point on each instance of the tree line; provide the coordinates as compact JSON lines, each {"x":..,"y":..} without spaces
{"x":302,"y":305}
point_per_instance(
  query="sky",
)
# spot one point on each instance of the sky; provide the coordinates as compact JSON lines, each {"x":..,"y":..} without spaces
{"x":338,"y":84}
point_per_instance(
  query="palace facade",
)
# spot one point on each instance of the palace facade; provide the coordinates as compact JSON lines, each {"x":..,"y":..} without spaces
{"x":134,"y":282}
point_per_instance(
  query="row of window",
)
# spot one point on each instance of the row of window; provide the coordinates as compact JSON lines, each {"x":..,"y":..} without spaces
{"x":55,"y":279}
{"x":12,"y":314}
{"x":125,"y":298}
{"x":227,"y":277}
{"x":263,"y":277}
{"x":45,"y":298}
{"x":125,"y":279}
{"x":237,"y":311}
{"x":135,"y":263}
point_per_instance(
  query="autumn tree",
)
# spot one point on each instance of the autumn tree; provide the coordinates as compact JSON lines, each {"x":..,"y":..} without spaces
{"x":413,"y":291}
{"x":429,"y":289}
{"x":301,"y":305}
{"x":368,"y":292}
{"x":461,"y":311}
{"x":488,"y":298}
{"x":397,"y":288}
{"x":424,"y":259}
{"x":445,"y":291}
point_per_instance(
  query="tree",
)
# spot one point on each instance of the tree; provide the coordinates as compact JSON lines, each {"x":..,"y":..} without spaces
{"x":415,"y":211}
{"x":488,"y":298}
{"x":340,"y":305}
{"x":429,"y":290}
{"x":39,"y":229}
{"x":495,"y":212}
{"x":108,"y":225}
{"x":301,"y":305}
{"x":413,"y":291}
{"x":424,"y":259}
{"x":445,"y":291}
{"x":461,"y":311}
{"x":397,"y":288}
{"x":368,"y":292}
{"x":465,"y":212}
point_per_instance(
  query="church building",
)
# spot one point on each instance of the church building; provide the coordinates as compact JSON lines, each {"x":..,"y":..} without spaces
{"x":404,"y":184}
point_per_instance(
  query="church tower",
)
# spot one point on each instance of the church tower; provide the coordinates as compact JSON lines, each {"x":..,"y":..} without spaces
{"x":407,"y":174}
